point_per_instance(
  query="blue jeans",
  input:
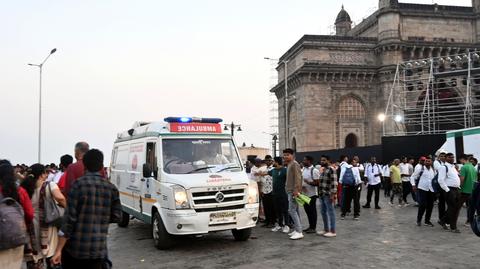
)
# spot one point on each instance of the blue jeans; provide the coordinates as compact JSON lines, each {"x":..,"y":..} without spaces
{"x":328,"y":213}
{"x":293,"y":212}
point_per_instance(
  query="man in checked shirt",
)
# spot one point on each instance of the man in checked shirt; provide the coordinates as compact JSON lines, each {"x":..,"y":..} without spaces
{"x":93,"y":203}
{"x":327,"y":193}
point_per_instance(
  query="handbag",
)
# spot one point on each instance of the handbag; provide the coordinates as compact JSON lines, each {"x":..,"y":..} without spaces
{"x":53,"y":212}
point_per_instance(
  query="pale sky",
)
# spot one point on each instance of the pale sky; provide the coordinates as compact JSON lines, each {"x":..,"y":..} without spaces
{"x":118,"y":62}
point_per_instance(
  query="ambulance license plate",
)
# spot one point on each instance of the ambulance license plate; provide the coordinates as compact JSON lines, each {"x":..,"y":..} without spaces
{"x":223,"y":217}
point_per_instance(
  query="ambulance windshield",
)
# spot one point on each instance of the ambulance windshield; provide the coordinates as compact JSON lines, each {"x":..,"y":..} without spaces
{"x":188,"y":156}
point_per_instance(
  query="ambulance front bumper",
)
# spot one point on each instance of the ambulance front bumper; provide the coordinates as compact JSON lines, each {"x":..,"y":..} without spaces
{"x":188,"y":222}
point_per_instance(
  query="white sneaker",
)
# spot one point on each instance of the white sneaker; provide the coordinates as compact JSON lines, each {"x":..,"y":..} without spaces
{"x":329,"y":234}
{"x":296,"y":236}
{"x":292,"y":233}
{"x":286,"y":229}
{"x":322,"y":232}
{"x":276,"y":228}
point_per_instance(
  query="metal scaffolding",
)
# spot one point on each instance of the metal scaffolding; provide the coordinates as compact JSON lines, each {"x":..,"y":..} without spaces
{"x":434,"y":95}
{"x":273,"y":110}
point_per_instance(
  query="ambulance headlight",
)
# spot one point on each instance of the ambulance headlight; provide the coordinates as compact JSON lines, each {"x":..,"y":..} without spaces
{"x":181,"y":198}
{"x":253,"y":192}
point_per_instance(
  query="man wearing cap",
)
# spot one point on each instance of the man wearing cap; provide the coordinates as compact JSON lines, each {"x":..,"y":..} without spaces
{"x":417,"y":170}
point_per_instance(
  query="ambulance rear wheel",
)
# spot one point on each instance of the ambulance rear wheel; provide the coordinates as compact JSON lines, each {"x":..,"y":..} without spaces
{"x":124,"y":219}
{"x":242,"y":235}
{"x":161,"y":238}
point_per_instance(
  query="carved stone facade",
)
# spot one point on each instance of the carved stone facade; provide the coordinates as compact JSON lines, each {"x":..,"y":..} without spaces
{"x":337,"y":85}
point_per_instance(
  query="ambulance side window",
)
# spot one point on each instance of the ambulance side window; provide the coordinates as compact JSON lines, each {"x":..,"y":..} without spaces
{"x":151,"y":158}
{"x":121,"y":158}
{"x":114,"y":157}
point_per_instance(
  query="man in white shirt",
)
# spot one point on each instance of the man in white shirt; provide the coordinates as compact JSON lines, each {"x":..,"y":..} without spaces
{"x":418,"y":168}
{"x":361,"y":170}
{"x":338,"y":170}
{"x":257,"y":173}
{"x":373,"y":173}
{"x":421,"y":181}
{"x":439,"y":161}
{"x":387,"y":185}
{"x":350,"y":181}
{"x":65,"y":161}
{"x":449,"y":181}
{"x":310,"y":174}
{"x":406,"y":170}
{"x":442,"y":208}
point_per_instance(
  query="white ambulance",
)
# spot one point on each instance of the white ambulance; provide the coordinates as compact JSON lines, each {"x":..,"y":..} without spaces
{"x":184,"y":177}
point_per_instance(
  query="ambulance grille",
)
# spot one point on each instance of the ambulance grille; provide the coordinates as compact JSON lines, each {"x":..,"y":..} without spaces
{"x":206,"y":198}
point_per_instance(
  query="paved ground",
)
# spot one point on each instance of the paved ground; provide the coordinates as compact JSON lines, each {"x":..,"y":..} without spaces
{"x":386,"y":238}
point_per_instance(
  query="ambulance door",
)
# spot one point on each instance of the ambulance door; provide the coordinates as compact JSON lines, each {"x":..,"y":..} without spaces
{"x":119,"y":175}
{"x":136,"y":160}
{"x":148,"y":181}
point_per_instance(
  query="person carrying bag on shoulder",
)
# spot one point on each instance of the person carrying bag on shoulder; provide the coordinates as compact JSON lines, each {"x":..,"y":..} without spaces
{"x":43,"y":235}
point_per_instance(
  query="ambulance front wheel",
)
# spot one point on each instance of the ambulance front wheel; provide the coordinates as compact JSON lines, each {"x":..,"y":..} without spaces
{"x":161,"y":238}
{"x":124,"y":219}
{"x":242,"y":235}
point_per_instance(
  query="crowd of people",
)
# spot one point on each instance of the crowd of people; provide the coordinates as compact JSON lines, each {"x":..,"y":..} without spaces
{"x":32,"y":199}
{"x":429,"y":180}
{"x":55,"y":219}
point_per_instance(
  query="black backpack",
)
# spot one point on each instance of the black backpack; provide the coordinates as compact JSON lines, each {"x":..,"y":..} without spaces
{"x":435,"y":185}
{"x":474,"y":210}
{"x":13,"y":231}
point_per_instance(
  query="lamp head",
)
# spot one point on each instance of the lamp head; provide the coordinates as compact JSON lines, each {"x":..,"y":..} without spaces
{"x":398,"y":118}
{"x":381,"y":117}
{"x":53,"y":51}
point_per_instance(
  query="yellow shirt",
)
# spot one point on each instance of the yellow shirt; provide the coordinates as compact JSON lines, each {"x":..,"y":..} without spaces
{"x":395,"y":174}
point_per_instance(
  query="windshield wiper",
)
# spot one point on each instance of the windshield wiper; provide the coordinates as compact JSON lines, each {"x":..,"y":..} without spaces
{"x":201,"y":168}
{"x":230,"y":167}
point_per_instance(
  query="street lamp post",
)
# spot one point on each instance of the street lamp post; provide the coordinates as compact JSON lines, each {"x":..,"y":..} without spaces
{"x":285,"y":63}
{"x":40,"y":67}
{"x":232,"y":127}
{"x":274,"y":142}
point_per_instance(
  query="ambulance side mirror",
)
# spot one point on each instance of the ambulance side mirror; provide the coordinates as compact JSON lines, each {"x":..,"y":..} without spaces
{"x":147,"y":171}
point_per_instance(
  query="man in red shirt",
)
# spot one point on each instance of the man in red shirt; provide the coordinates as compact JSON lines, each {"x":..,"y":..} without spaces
{"x":75,"y":170}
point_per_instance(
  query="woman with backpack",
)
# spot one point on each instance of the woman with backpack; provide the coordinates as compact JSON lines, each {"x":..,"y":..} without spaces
{"x":43,"y":236}
{"x":16,"y":199}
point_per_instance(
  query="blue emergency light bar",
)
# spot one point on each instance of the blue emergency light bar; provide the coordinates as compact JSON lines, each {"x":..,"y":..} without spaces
{"x":192,"y":119}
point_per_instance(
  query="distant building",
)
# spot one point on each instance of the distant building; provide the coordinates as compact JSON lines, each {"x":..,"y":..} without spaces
{"x":338,"y":85}
{"x":252,"y":152}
